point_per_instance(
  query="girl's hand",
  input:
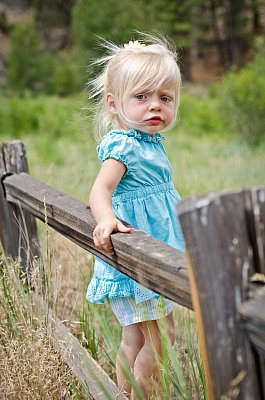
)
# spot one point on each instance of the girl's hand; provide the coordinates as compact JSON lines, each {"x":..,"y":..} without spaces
{"x":103,"y":230}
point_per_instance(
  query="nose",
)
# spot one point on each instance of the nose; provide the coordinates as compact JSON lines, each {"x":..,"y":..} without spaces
{"x":154,"y":104}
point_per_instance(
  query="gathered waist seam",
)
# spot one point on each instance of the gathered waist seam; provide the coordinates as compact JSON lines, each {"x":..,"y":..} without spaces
{"x":143,"y":192}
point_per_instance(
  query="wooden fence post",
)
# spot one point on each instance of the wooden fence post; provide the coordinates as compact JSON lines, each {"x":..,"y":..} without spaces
{"x":216,"y":230}
{"x":18,"y":230}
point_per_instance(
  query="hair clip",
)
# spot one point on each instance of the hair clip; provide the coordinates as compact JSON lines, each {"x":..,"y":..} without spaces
{"x":134,"y":44}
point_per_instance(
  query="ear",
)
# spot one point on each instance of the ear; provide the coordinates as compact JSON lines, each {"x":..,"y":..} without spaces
{"x":111,"y":103}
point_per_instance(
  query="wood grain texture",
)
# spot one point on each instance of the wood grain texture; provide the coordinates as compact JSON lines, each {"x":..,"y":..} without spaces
{"x":218,"y":243}
{"x":18,"y":227}
{"x":255,"y":212}
{"x":253,"y":315}
{"x":152,"y":263}
{"x":8,"y":230}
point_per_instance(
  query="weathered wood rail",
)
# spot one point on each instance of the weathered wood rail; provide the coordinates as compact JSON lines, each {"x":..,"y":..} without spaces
{"x":161,"y":268}
{"x":225,"y":237}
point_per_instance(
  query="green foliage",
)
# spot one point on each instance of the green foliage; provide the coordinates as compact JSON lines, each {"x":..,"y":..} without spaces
{"x":32,"y":68}
{"x":66,"y":77}
{"x":119,"y":19}
{"x":199,"y":115}
{"x":27,"y":69}
{"x":30,"y":115}
{"x":51,"y":12}
{"x":174,"y":20}
{"x":242,"y":101}
{"x":88,"y":23}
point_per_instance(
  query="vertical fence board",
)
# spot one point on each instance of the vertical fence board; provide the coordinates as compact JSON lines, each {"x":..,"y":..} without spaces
{"x":8,"y":230}
{"x":221,"y":262}
{"x":18,"y":230}
{"x":252,"y":315}
{"x":255,"y":209}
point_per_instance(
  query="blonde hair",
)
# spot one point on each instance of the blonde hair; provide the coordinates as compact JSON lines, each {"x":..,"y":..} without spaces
{"x":135,"y":66}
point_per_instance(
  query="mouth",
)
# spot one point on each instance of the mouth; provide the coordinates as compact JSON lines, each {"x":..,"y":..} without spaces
{"x":155,"y":120}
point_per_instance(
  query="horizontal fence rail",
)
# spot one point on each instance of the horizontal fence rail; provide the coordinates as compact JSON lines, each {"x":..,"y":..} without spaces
{"x":150,"y":262}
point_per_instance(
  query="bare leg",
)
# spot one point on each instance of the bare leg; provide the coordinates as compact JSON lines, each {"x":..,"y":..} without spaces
{"x":146,"y":363}
{"x":169,"y":327}
{"x":131,"y":344}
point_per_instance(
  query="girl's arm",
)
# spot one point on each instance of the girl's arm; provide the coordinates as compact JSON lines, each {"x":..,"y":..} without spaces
{"x":100,"y":201}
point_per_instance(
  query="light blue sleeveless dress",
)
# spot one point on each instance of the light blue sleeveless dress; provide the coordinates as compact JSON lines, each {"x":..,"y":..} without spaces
{"x":145,"y":198}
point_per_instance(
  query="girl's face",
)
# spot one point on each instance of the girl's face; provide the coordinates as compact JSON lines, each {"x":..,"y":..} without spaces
{"x":150,"y":111}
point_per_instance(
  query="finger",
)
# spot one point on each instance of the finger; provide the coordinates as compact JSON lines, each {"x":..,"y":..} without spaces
{"x":95,"y":238}
{"x":101,"y":244}
{"x":122,"y":228}
{"x":105,"y":242}
{"x":107,"y":249}
{"x":102,"y":240}
{"x":102,"y":237}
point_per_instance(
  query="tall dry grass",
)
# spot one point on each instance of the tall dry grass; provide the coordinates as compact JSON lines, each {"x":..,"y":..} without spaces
{"x":30,"y":368}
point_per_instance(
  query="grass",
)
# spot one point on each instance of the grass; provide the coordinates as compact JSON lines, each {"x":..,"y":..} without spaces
{"x":30,"y":368}
{"x":206,"y":164}
{"x":61,"y":152}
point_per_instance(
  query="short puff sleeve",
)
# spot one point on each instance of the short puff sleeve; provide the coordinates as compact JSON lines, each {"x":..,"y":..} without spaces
{"x":118,"y":146}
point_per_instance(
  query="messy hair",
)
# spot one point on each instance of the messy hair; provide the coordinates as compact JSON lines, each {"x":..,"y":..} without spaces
{"x":143,"y":66}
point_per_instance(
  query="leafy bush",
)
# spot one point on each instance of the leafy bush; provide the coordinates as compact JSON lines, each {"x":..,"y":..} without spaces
{"x":31,"y":68}
{"x":27,"y":69}
{"x":50,"y":116}
{"x":199,"y":115}
{"x":66,"y":77}
{"x":242,"y":101}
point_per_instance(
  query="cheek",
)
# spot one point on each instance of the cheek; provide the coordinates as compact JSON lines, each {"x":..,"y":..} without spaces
{"x":170,"y":112}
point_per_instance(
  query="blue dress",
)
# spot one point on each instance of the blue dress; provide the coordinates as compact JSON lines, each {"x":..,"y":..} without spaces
{"x":145,"y":198}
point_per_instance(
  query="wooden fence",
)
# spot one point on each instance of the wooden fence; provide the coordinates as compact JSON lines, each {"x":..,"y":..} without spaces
{"x":225,"y":237}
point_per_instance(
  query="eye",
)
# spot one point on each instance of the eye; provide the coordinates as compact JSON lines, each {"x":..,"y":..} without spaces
{"x":140,"y":96}
{"x":166,"y":99}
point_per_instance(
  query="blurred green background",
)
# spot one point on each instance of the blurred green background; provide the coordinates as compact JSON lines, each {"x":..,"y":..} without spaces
{"x":45,"y":49}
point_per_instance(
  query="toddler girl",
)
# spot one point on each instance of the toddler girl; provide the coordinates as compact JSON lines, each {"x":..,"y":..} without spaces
{"x":138,"y":93}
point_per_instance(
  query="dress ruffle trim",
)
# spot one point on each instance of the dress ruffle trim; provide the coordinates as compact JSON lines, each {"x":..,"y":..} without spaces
{"x":118,"y":157}
{"x":145,"y":137}
{"x":100,"y":289}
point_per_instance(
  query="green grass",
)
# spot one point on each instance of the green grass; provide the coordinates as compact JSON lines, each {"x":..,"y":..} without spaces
{"x":206,"y":164}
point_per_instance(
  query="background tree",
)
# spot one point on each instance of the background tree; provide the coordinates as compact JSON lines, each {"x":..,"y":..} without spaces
{"x":210,"y":36}
{"x":120,"y":19}
{"x":27,"y":68}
